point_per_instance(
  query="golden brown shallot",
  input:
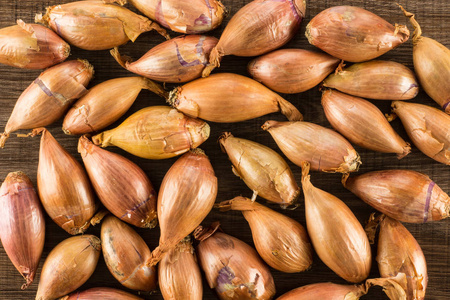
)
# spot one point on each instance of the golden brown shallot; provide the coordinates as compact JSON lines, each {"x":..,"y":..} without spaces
{"x":323,"y":148}
{"x":180,"y":59}
{"x":101,"y":293}
{"x":228,"y":98}
{"x":156,"y":132}
{"x":362,"y":123}
{"x":96,"y":24}
{"x":49,"y":96}
{"x":22,"y":224}
{"x":31,"y":46}
{"x":354,"y":34}
{"x":292,"y":71}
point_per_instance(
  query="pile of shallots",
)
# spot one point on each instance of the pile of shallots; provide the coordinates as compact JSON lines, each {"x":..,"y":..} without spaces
{"x":111,"y":190}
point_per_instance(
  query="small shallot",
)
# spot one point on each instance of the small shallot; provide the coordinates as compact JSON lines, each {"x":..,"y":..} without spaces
{"x":404,"y":195}
{"x":102,"y":293}
{"x":31,"y":46}
{"x":105,"y":103}
{"x":280,"y":241}
{"x":380,"y":80}
{"x":96,"y":24}
{"x":68,"y":266}
{"x":122,"y":187}
{"x":228,"y":98}
{"x":179,"y":274}
{"x":257,"y":28}
{"x":180,"y":59}
{"x":325,"y":149}
{"x":427,"y":127}
{"x":64,"y":187}
{"x":186,"y":196}
{"x":232,"y":267}
{"x":292,"y":71}
{"x":125,"y":254}
{"x":22,"y":224}
{"x":49,"y":96}
{"x":354,"y":34}
{"x":362,"y":123}
{"x":262,"y":169}
{"x":156,"y":132}
{"x":335,"y":232}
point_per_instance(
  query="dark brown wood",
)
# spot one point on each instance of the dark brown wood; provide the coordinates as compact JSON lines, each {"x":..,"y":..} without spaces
{"x":22,"y":153}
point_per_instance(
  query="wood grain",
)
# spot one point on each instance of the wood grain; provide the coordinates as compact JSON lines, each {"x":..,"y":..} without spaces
{"x":22,"y":153}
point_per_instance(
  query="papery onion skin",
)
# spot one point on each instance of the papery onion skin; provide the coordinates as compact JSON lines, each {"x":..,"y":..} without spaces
{"x":68,"y":266}
{"x":377,"y":79}
{"x":64,"y":187}
{"x":431,"y":64}
{"x":257,"y":28}
{"x":404,"y":195}
{"x":292,"y":71}
{"x":354,"y":34}
{"x":103,"y":293}
{"x":232,"y":267}
{"x":49,"y":96}
{"x":399,"y":252}
{"x":31,"y":46}
{"x":96,"y":24}
{"x":323,"y":148}
{"x":228,"y":98}
{"x":193,"y":17}
{"x":427,"y":127}
{"x":280,"y":241}
{"x":186,"y":196}
{"x":125,"y":254}
{"x":262,"y":169}
{"x":22,"y":224}
{"x":180,"y":59}
{"x":325,"y":290}
{"x":156,"y":132}
{"x":96,"y":110}
{"x":122,"y":187}
{"x":335,"y":232}
{"x":362,"y":123}
{"x":179,"y":274}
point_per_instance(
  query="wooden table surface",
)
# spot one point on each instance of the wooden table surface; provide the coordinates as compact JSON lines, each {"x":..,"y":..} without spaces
{"x":22,"y":153}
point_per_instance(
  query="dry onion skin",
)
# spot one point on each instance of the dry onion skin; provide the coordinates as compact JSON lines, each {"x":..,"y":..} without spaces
{"x":68,"y":266}
{"x":105,"y":103}
{"x":180,"y":59}
{"x":280,"y":241}
{"x":335,"y":232}
{"x":404,"y":195}
{"x":96,"y":24}
{"x":427,"y":127}
{"x":229,"y":98}
{"x":156,"y":132}
{"x":103,"y":293}
{"x":292,"y":71}
{"x":263,"y":170}
{"x":232,"y":267}
{"x":49,"y":96}
{"x":354,"y":34}
{"x":64,"y":187}
{"x":431,"y":64}
{"x":191,"y":17}
{"x":31,"y":46}
{"x":257,"y":28}
{"x":325,"y":149}
{"x":186,"y":196}
{"x":380,"y":80}
{"x":125,"y":254}
{"x":122,"y":187}
{"x":362,"y":123}
{"x":22,"y":224}
{"x":179,"y":274}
